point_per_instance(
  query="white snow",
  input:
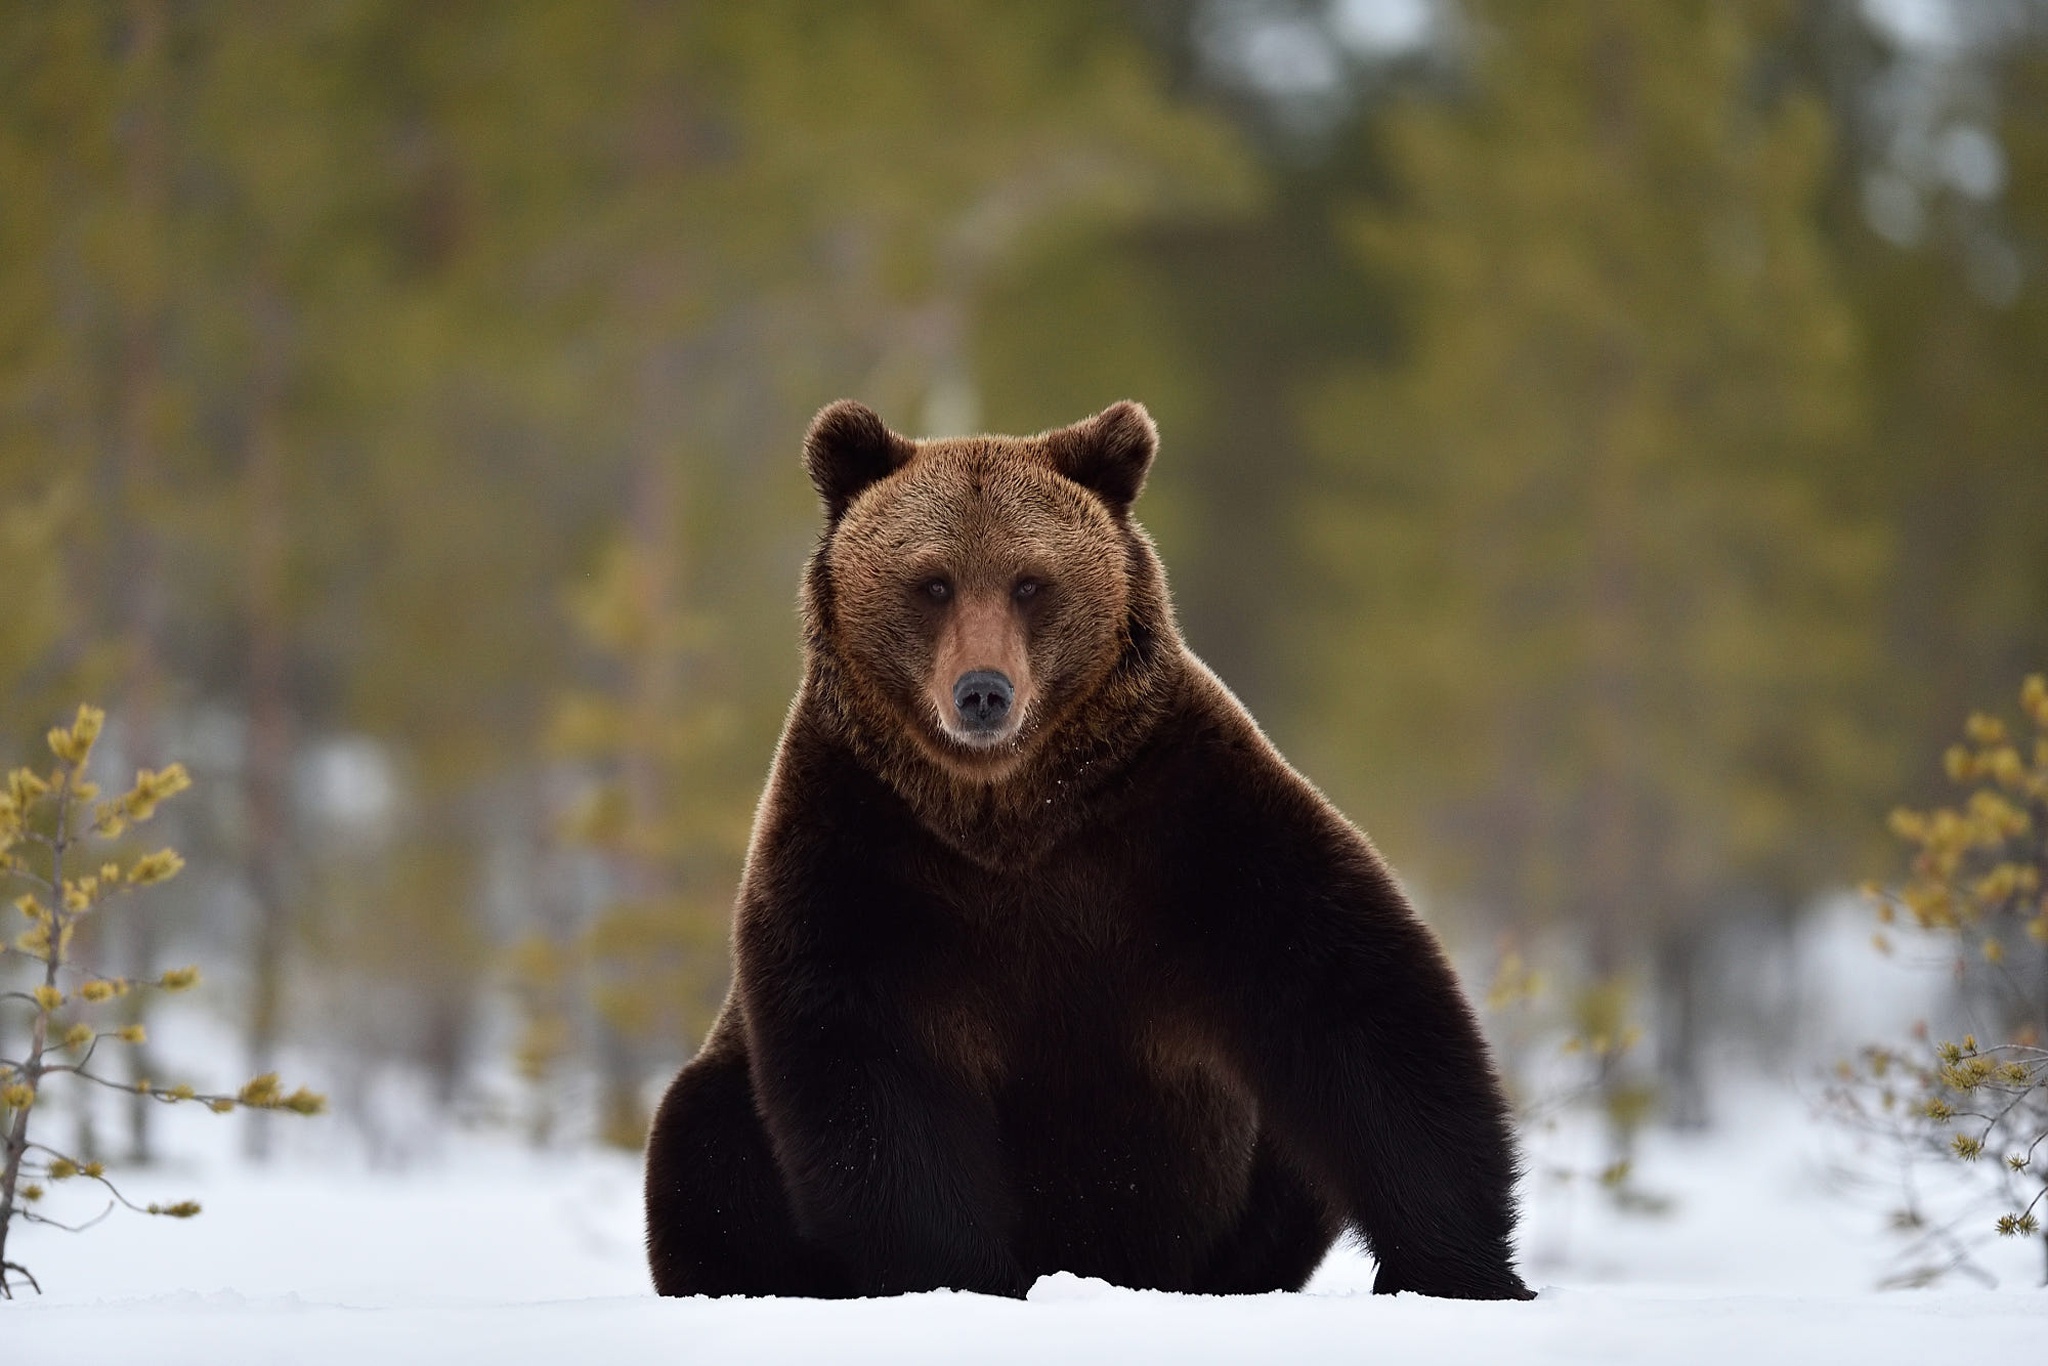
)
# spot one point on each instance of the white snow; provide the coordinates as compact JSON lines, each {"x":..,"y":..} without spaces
{"x":492,"y":1253}
{"x":471,"y":1247}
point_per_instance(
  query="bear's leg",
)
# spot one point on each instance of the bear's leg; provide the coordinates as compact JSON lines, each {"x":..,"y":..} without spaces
{"x":718,"y":1219}
{"x":1285,"y":1233}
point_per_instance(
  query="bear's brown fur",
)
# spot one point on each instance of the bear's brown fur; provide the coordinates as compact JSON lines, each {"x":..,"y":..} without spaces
{"x":1064,"y":971}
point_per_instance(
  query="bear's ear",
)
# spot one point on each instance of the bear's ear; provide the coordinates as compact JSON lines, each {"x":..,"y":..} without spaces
{"x":848,"y":448}
{"x":1109,"y":453}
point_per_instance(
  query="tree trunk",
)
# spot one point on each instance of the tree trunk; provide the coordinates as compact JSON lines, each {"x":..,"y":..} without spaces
{"x":1617,"y":889}
{"x":267,"y":770}
{"x":1678,"y":1032}
{"x":138,"y":409}
{"x":655,"y":528}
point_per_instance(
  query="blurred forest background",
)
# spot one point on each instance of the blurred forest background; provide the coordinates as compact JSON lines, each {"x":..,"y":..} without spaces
{"x":1606,"y":443}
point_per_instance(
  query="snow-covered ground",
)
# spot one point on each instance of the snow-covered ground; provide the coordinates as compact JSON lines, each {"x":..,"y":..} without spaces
{"x":472,"y":1247}
{"x":491,"y":1253}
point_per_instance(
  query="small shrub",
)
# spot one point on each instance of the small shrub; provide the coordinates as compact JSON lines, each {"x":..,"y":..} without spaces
{"x":1978,"y":883}
{"x":1575,"y":1052}
{"x":49,"y":825}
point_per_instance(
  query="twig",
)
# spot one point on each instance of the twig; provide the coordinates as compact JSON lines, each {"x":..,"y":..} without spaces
{"x":34,"y":1218}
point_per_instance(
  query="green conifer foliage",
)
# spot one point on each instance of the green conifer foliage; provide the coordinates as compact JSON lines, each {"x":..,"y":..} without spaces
{"x":856,"y":235}
{"x":1601,"y":606}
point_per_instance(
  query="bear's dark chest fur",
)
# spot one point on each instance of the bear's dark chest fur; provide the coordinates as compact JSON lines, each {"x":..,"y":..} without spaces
{"x":1067,"y":997}
{"x":1066,"y":991}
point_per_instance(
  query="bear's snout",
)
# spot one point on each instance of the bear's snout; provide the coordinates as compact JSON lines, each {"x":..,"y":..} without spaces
{"x":979,"y":684}
{"x":982,"y":698}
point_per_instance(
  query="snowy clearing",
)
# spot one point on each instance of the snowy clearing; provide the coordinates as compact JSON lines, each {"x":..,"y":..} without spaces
{"x":1565,"y":1326}
{"x":494,"y":1254}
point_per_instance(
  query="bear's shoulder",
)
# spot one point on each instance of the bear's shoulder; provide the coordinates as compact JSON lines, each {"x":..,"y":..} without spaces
{"x":1231,"y":803}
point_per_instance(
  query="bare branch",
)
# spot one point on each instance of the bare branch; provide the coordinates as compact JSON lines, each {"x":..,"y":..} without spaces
{"x":32,"y":1217}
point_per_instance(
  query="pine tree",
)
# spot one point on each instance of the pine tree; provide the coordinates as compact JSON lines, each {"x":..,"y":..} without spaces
{"x":48,"y":827}
{"x":1977,"y":887}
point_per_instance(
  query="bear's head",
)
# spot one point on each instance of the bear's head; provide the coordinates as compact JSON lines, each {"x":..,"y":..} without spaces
{"x":980,"y":595}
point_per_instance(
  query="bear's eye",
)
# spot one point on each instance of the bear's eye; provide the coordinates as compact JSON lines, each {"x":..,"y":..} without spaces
{"x":938,"y":590}
{"x":1026,"y":589}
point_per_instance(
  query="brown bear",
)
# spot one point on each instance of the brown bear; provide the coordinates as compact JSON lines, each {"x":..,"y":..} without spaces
{"x":1044,"y":959}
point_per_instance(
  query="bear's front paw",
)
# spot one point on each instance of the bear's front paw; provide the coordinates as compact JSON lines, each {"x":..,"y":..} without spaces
{"x":1452,"y":1282}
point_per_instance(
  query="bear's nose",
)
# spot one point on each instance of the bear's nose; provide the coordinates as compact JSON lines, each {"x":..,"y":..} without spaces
{"x":982,"y":697}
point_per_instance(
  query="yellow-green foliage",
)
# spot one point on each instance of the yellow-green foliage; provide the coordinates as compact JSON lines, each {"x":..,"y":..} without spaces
{"x":1593,"y":508}
{"x":659,"y":811}
{"x":1978,"y":878}
{"x":36,"y":523}
{"x":451,"y":338}
{"x":1982,"y":1106}
{"x":1575,"y":1050}
{"x":49,"y":824}
{"x":1980,"y":868}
